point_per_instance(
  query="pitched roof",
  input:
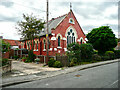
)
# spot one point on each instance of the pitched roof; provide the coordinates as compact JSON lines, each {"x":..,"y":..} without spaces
{"x":12,"y":42}
{"x":53,"y":23}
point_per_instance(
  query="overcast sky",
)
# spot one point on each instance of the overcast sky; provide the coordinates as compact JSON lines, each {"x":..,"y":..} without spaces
{"x":89,"y":13}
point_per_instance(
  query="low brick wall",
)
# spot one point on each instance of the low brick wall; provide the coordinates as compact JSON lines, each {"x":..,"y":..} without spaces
{"x":7,"y":68}
{"x":63,"y":59}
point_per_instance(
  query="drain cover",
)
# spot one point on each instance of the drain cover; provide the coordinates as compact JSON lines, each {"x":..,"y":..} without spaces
{"x":78,"y":75}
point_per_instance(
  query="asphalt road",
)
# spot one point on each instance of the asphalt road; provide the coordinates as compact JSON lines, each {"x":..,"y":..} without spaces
{"x":105,"y":76}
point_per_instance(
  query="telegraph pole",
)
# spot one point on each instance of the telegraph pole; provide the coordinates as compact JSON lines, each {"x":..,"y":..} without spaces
{"x":47,"y":37}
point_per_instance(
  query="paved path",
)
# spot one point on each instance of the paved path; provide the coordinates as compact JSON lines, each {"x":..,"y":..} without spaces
{"x":105,"y":76}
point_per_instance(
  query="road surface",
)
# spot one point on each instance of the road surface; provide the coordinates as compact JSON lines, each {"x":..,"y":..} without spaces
{"x":105,"y":76}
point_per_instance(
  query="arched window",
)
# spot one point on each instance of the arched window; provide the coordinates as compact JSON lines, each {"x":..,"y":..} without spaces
{"x":37,"y":45}
{"x":81,"y":41}
{"x":49,"y":43}
{"x":58,"y":41}
{"x":71,"y":21}
{"x":28,"y":45}
{"x":34,"y":45}
{"x":70,"y":37}
{"x":44,"y":41}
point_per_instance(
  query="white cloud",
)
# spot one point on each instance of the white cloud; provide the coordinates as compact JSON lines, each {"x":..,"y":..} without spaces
{"x":92,"y":13}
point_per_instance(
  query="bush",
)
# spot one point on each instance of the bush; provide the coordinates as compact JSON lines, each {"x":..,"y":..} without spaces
{"x":31,"y":56}
{"x":96,"y":57}
{"x":117,"y":53}
{"x":4,"y":61}
{"x":104,"y":58}
{"x":111,"y":54}
{"x":24,"y":59}
{"x":73,"y":51}
{"x":57,"y":64}
{"x":27,"y":60}
{"x":16,"y":57}
{"x":51,"y":62}
{"x":73,"y":62}
{"x":86,"y":51}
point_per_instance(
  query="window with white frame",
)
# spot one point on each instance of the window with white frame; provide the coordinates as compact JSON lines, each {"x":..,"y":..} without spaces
{"x":58,"y":41}
{"x":34,"y":45}
{"x":71,"y":21}
{"x":44,"y":42}
{"x":70,"y":37}
{"x":37,"y":45}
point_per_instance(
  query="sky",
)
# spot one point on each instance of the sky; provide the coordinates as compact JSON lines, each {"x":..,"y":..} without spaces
{"x":89,"y":13}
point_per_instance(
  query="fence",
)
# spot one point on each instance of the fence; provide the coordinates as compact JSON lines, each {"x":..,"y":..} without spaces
{"x":7,"y":68}
{"x":63,"y":59}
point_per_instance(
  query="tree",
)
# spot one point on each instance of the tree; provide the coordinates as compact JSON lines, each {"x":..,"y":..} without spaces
{"x":5,"y":46}
{"x":102,"y":38}
{"x":30,"y":28}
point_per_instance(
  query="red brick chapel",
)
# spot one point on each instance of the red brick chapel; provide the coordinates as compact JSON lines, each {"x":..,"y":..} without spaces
{"x":63,"y":30}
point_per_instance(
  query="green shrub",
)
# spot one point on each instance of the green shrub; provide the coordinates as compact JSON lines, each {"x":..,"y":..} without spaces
{"x":31,"y":56}
{"x":73,"y":62}
{"x":86,"y":52}
{"x":27,"y":60}
{"x":96,"y":57}
{"x":117,"y":53}
{"x":73,"y":51}
{"x":4,"y":61}
{"x":104,"y":57}
{"x":16,"y":57}
{"x":95,"y":52}
{"x":51,"y":62}
{"x":57,"y":64}
{"x":111,"y":54}
{"x":24,"y":57}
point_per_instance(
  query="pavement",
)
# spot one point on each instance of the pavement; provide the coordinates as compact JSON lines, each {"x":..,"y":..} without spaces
{"x":40,"y":72}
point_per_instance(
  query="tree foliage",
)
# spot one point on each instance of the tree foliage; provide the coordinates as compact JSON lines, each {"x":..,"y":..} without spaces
{"x":30,"y":27}
{"x":5,"y":46}
{"x":102,"y":38}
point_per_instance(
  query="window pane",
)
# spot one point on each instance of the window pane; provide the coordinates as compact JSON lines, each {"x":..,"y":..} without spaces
{"x":70,"y":39}
{"x":59,"y":41}
{"x":74,"y":39}
{"x":67,"y":40}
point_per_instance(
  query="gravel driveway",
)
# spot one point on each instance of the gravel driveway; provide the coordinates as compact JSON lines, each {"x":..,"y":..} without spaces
{"x":21,"y":68}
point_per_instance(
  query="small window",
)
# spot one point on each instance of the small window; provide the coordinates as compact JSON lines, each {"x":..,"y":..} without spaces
{"x":59,"y":41}
{"x":70,"y":30}
{"x":71,"y":20}
{"x":81,"y":41}
{"x":34,"y":45}
{"x":37,"y":45}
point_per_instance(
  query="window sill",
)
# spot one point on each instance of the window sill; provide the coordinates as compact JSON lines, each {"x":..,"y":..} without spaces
{"x":44,"y":49}
{"x":35,"y":50}
{"x":59,"y":47}
{"x":71,"y":23}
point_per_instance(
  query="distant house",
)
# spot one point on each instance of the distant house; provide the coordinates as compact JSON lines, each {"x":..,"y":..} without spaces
{"x":118,"y":45}
{"x":63,"y":30}
{"x":14,"y":44}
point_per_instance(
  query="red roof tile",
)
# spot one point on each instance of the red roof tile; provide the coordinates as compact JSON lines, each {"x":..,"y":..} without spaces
{"x":12,"y":42}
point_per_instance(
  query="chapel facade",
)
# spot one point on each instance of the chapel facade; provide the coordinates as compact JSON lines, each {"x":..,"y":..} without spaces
{"x":63,"y":30}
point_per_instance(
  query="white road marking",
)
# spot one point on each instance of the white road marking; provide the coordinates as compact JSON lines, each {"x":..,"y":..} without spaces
{"x":114,"y":83}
